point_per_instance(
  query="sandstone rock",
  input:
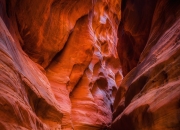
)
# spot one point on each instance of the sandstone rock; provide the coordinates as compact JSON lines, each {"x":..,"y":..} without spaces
{"x":24,"y":90}
{"x":69,"y":77}
{"x":88,"y":69}
{"x":45,"y":26}
{"x":149,"y":95}
{"x":133,"y":31}
{"x":59,"y":68}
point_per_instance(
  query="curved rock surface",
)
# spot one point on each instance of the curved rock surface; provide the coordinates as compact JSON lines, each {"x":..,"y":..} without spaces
{"x":24,"y":87}
{"x":59,"y":64}
{"x":133,"y":31}
{"x":149,"y":96}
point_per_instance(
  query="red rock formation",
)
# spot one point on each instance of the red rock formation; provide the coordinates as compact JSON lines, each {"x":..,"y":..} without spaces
{"x":45,"y":26}
{"x":149,"y":96}
{"x":25,"y":92}
{"x":70,"y":73}
{"x":133,"y":31}
{"x":59,"y":68}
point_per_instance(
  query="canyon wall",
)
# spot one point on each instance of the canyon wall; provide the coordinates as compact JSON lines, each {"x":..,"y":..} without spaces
{"x":62,"y":64}
{"x":58,"y":64}
{"x":149,"y":96}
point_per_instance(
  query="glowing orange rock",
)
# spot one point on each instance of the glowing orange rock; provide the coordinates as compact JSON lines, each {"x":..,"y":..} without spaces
{"x":69,"y":77}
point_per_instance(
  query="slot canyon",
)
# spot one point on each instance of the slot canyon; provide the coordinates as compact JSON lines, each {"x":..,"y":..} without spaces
{"x":89,"y":65}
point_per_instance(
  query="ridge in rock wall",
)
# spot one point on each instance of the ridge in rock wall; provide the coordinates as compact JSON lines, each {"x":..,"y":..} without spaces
{"x":149,"y":95}
{"x":24,"y":88}
{"x":59,"y":65}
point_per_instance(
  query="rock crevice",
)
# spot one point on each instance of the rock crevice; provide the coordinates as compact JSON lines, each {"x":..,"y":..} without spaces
{"x":62,"y":64}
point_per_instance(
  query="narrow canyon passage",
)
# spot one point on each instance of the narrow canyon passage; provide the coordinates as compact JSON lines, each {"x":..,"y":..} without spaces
{"x":89,"y":65}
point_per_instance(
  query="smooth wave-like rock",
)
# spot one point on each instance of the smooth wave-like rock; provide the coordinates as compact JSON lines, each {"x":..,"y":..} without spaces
{"x":133,"y":31}
{"x":62,"y":63}
{"x":25,"y":93}
{"x":149,"y":96}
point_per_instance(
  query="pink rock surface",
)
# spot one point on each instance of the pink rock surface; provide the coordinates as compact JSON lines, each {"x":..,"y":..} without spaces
{"x":24,"y":90}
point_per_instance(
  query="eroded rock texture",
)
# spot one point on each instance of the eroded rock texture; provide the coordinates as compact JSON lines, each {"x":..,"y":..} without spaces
{"x":149,"y":96}
{"x":26,"y":97}
{"x":59,"y":68}
{"x":59,"y":65}
{"x":133,"y":31}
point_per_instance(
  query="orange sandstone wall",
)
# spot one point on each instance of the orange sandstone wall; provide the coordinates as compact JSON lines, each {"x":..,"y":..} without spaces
{"x":61,"y":64}
{"x":58,"y":64}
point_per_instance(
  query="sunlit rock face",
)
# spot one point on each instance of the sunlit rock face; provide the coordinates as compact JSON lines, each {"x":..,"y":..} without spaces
{"x":59,"y":65}
{"x":149,"y":96}
{"x":59,"y":68}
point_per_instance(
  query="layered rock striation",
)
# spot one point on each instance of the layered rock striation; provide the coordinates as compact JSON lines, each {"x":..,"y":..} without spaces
{"x":62,"y":64}
{"x":59,"y":64}
{"x":149,"y":96}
